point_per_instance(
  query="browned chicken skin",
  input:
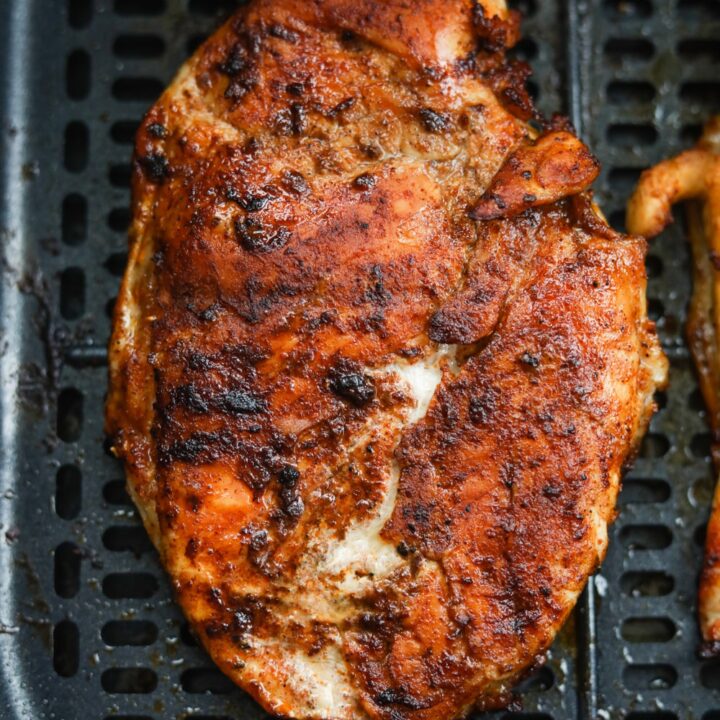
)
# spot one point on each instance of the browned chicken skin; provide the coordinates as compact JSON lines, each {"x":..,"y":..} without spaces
{"x":695,"y":176}
{"x":373,"y":421}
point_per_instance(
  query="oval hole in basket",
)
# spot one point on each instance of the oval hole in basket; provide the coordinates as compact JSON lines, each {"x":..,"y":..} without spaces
{"x":699,"y":49}
{"x":123,"y":131}
{"x":129,"y":632}
{"x":699,"y":9}
{"x":658,"y":676}
{"x":127,"y":538}
{"x":625,"y":92}
{"x":710,"y":674}
{"x":74,"y":219}
{"x":541,"y":680}
{"x":654,"y":445}
{"x":700,"y":445}
{"x":526,"y":7}
{"x":69,"y":414}
{"x":68,"y":491}
{"x":212,"y":7}
{"x":129,"y":680}
{"x":115,"y":263}
{"x":139,"y":7}
{"x":648,"y":630}
{"x":143,"y":46}
{"x":619,"y":49}
{"x":67,"y":570}
{"x":72,"y":293}
{"x":642,"y":490}
{"x":630,"y":135}
{"x":706,"y":94}
{"x":119,"y":175}
{"x":119,"y":219}
{"x":131,"y":585}
{"x":80,"y":13}
{"x":626,"y":9}
{"x":66,"y":648}
{"x":647,"y":583}
{"x":137,"y":89}
{"x":646,"y":537}
{"x":77,"y":75}
{"x":116,"y":493}
{"x":205,"y":680}
{"x":77,"y":146}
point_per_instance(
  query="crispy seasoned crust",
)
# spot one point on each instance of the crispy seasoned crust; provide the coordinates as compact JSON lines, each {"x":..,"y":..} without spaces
{"x":375,"y":441}
{"x":694,"y":175}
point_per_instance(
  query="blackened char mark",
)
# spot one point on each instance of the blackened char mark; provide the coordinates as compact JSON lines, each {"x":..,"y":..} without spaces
{"x":494,"y":34}
{"x":189,"y":397}
{"x":292,"y":120}
{"x":240,"y":66}
{"x":155,"y":167}
{"x":240,"y":402}
{"x":347,"y":380}
{"x":433,"y":121}
{"x":236,"y":61}
{"x":284,"y":33}
{"x":258,"y":237}
{"x":399,"y":696}
{"x":295,"y":183}
{"x":341,"y":107}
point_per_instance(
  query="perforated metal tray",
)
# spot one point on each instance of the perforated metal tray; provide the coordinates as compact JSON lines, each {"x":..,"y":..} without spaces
{"x":88,"y":628}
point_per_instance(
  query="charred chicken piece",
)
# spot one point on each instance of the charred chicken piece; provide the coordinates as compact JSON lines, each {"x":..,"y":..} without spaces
{"x":694,"y":176}
{"x":374,"y":429}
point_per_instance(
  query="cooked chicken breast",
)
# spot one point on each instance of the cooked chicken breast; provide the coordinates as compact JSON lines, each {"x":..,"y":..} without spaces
{"x":377,"y":360}
{"x":695,"y":176}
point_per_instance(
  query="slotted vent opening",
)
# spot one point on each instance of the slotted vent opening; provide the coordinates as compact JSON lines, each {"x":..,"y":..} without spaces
{"x":637,"y":491}
{"x":129,"y":681}
{"x":628,"y":9}
{"x":137,"y":89}
{"x":116,"y":493}
{"x":77,"y":146}
{"x":218,"y":9}
{"x":66,"y":648}
{"x":70,"y":410}
{"x":129,"y":632}
{"x":67,"y":570}
{"x":659,"y":676}
{"x":139,"y":7}
{"x":127,"y":538}
{"x":205,"y":680}
{"x":68,"y":492}
{"x":77,"y":82}
{"x":72,"y":293}
{"x":710,"y":675}
{"x":115,"y":264}
{"x":646,"y":537}
{"x":74,"y":219}
{"x":648,"y":630}
{"x":649,"y":583}
{"x":698,"y":10}
{"x":539,"y":681}
{"x":130,"y":585}
{"x":123,"y":131}
{"x":140,"y":46}
{"x":80,"y":13}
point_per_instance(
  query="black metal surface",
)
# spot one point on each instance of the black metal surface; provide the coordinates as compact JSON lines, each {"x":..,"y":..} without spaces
{"x":87,"y":624}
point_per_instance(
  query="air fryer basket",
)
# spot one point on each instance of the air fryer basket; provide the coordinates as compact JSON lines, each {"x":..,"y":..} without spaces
{"x":88,"y":628}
